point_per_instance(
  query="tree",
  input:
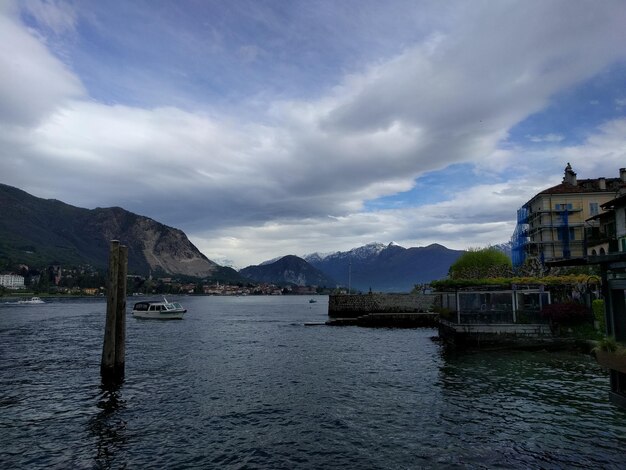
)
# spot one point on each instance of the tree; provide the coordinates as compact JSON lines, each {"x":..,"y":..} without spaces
{"x":480,"y":263}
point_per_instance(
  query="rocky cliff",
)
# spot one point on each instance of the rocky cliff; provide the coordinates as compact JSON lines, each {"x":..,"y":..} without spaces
{"x":42,"y":231}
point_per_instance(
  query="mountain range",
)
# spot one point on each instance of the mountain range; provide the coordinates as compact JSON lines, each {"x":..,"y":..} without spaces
{"x":386,"y":268}
{"x":289,"y":269}
{"x":42,"y":232}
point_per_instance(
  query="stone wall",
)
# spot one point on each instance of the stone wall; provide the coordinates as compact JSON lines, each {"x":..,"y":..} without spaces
{"x":501,"y":335}
{"x":350,"y":306}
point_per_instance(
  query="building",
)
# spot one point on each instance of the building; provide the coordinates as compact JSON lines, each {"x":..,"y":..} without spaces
{"x":606,"y":247}
{"x":12,"y":281}
{"x":509,"y":317}
{"x":613,"y":268}
{"x":606,"y":232}
{"x":616,"y":208}
{"x":551,"y":226}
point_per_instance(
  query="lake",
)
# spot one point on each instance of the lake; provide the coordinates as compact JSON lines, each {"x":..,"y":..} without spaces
{"x":240,"y":382}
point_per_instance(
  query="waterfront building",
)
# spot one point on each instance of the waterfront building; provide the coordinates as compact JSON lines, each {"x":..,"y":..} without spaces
{"x":494,"y":316}
{"x":12,"y":281}
{"x":551,"y":225}
{"x":617,"y":207}
{"x":613,"y":268}
{"x":606,"y":232}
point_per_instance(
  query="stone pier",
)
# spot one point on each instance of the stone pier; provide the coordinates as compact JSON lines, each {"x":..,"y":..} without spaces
{"x":353,"y":306}
{"x":386,"y":310}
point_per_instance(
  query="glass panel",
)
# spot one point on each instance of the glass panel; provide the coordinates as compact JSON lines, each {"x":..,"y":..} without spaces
{"x":486,"y":307}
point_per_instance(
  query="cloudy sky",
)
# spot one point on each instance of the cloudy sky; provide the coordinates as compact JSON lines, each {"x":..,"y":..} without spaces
{"x":268,"y":127}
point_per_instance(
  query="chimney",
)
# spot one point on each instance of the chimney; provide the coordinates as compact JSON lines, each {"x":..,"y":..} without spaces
{"x":622,"y":174}
{"x":602,"y":184}
{"x":570,"y":175}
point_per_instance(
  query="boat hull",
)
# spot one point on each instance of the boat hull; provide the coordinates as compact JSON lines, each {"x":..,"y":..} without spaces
{"x":32,"y":301}
{"x":159,"y":310}
{"x":159,"y":315}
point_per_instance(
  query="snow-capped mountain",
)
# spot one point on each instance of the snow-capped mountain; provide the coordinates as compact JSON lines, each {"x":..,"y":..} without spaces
{"x":386,"y":268}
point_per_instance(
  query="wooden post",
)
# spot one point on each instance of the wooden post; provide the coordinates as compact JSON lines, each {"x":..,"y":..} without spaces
{"x":120,"y":317}
{"x":107,"y":364}
{"x":114,"y":346}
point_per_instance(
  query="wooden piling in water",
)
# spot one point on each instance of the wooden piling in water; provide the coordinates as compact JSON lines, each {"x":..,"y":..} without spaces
{"x":114,"y":345}
{"x":120,"y":316}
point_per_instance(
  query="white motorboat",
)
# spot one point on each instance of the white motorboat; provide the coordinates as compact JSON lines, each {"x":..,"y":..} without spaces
{"x":160,"y":310}
{"x":32,"y":300}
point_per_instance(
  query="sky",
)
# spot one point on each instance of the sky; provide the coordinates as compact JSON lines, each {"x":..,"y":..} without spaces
{"x":263,"y":128}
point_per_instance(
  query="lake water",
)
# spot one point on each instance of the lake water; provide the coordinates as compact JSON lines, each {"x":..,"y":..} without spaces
{"x":242,"y":383}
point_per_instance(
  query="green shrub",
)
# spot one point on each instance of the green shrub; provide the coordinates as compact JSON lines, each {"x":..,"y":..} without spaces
{"x":481,"y":263}
{"x":597,"y":306}
{"x":608,"y":344}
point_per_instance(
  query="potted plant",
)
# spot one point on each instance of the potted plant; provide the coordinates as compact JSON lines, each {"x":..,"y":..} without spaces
{"x":611,"y":354}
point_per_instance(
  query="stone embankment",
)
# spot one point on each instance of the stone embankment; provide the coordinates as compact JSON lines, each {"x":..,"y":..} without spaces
{"x":352,"y":306}
{"x":398,"y":310}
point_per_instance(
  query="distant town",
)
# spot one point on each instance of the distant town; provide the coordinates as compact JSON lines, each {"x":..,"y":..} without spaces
{"x":87,"y":281}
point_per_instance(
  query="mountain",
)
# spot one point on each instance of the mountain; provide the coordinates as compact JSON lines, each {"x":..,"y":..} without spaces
{"x":41,"y":232}
{"x":288,"y":270}
{"x":505,"y":248}
{"x":386,"y":268}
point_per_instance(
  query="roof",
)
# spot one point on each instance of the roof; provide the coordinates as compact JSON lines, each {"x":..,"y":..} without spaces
{"x":586,"y":186}
{"x":618,"y":201}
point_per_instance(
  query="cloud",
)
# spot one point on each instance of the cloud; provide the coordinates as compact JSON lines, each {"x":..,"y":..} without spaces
{"x":550,"y":138}
{"x":248,"y":183}
{"x":57,"y":16}
{"x":33,"y":81}
{"x":602,"y":153}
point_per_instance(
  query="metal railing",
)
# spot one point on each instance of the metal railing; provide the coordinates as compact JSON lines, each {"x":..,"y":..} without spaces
{"x":487,"y":317}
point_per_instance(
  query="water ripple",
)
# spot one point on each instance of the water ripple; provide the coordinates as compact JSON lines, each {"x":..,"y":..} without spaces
{"x":241,"y":383}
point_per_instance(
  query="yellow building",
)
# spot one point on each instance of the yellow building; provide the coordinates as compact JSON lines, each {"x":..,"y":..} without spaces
{"x":551,"y":226}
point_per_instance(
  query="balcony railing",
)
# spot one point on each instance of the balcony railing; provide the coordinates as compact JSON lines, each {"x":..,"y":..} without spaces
{"x":482,"y":317}
{"x":595,"y":234}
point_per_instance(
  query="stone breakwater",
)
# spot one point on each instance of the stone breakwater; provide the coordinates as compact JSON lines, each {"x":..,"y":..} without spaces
{"x":397,"y":310}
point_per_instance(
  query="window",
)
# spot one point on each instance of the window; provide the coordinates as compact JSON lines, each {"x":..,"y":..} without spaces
{"x":593,"y":208}
{"x":562,"y":207}
{"x":566,"y":235}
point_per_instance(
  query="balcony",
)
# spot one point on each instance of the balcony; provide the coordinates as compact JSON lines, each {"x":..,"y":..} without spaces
{"x":597,"y":236}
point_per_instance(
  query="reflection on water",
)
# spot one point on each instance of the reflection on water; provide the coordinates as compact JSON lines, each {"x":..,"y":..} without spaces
{"x":544,"y":410}
{"x":107,"y":426}
{"x":241,"y":382}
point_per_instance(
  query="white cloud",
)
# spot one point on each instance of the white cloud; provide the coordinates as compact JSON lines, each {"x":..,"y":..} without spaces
{"x":602,"y":153}
{"x":294,"y":179}
{"x":33,"y":81}
{"x":55,"y":15}
{"x":549,"y":138}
